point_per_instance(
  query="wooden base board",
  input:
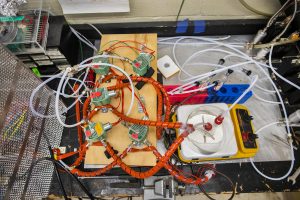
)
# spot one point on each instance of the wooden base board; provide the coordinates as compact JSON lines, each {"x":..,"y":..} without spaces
{"x":118,"y":135}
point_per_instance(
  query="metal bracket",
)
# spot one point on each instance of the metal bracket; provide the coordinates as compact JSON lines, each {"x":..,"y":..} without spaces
{"x":159,"y":187}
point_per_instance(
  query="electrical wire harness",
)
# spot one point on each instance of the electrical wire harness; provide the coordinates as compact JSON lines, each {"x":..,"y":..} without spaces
{"x":98,"y":98}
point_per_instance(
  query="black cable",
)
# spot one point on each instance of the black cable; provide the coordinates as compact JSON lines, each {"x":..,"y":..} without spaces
{"x":76,"y":179}
{"x":220,"y":173}
{"x":58,"y":175}
{"x":181,"y":5}
{"x":66,"y":170}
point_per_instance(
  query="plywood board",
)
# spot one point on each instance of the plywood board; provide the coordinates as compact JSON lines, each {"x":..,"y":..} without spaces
{"x":118,"y":136}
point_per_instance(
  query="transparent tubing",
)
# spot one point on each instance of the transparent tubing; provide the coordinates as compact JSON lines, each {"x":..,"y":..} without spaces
{"x":254,"y":80}
{"x":259,"y":65}
{"x":277,"y":74}
{"x":122,"y":71}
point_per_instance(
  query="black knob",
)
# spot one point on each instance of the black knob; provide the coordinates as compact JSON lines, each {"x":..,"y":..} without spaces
{"x":252,"y":136}
{"x":247,"y":118}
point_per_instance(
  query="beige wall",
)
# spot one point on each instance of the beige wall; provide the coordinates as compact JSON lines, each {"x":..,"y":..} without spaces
{"x":166,"y":10}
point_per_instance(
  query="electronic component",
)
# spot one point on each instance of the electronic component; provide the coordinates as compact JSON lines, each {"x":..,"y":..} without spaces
{"x":101,"y":96}
{"x":96,"y":131}
{"x":138,"y":133}
{"x":238,"y":129}
{"x":244,"y":133}
{"x":261,"y":34}
{"x":167,"y":66}
{"x":198,"y":146}
{"x":101,"y":69}
{"x":141,"y":64}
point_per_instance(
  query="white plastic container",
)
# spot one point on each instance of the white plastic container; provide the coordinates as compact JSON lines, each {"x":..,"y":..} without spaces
{"x":194,"y":146}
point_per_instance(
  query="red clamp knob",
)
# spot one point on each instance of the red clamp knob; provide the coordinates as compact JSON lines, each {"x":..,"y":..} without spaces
{"x":219,"y":120}
{"x":207,"y":126}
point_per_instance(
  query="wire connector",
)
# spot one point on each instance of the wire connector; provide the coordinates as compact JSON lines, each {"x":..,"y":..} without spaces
{"x":209,"y":174}
{"x":247,"y":72}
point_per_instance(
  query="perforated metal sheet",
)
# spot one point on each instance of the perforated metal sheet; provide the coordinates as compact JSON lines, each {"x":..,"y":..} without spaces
{"x":22,"y":140}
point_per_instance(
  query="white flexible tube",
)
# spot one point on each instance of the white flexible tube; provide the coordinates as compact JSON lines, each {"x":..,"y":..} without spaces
{"x":34,"y":93}
{"x":83,"y":39}
{"x":256,"y":85}
{"x":279,"y":178}
{"x":191,"y":37}
{"x":237,"y":45}
{"x":208,"y":74}
{"x":69,"y":78}
{"x":277,"y":74}
{"x":205,"y":64}
{"x":91,"y":58}
{"x":264,"y":100}
{"x":254,"y":80}
{"x":272,"y":124}
{"x":260,"y":65}
{"x":94,"y":27}
{"x":266,"y":126}
{"x":194,"y":90}
{"x":122,"y":71}
{"x":57,"y":113}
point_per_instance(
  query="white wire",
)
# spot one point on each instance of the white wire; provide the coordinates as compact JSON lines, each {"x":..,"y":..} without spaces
{"x":96,"y":29}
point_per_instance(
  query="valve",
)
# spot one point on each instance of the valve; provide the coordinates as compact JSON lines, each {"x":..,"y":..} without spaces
{"x":138,"y":133}
{"x":96,"y":131}
{"x":141,"y":64}
{"x":101,"y":96}
{"x":101,"y":69}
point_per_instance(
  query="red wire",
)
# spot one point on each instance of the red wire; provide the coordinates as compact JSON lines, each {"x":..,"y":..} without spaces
{"x":124,"y":41}
{"x":123,"y":47}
